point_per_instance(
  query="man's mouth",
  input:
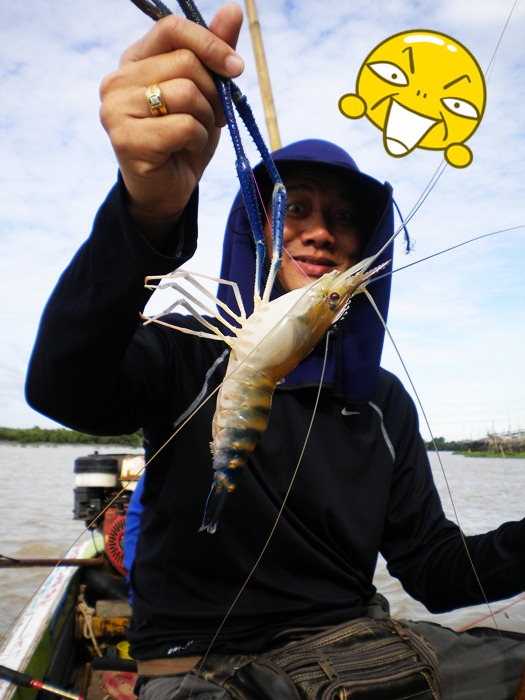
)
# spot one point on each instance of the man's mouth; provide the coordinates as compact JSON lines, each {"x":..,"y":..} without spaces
{"x":314,"y":266}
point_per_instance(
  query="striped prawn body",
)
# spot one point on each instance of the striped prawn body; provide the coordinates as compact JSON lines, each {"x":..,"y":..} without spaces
{"x":270,"y":343}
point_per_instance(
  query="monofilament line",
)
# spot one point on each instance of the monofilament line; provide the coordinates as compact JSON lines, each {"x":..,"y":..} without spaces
{"x":279,"y":514}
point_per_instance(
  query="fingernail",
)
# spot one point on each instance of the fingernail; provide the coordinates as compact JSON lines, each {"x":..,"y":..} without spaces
{"x":234,"y":65}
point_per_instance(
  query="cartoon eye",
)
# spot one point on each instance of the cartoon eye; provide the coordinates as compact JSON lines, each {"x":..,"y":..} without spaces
{"x":460,"y":107}
{"x":389,"y":72}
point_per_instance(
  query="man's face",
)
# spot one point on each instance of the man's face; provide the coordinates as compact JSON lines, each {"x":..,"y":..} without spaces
{"x":320,"y":230}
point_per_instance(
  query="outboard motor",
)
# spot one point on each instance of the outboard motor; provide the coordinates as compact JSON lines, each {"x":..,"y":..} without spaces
{"x":103,"y":486}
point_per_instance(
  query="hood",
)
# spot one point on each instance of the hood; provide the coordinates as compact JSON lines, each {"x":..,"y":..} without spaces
{"x":355,"y":348}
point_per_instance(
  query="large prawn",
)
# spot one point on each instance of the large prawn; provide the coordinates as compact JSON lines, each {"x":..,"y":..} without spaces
{"x":266,"y":347}
{"x":279,"y":334}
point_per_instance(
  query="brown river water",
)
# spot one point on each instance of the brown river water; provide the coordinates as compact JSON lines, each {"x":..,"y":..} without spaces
{"x":37,"y":521}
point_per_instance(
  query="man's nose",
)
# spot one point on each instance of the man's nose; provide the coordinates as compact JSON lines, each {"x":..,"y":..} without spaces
{"x":317,"y":232}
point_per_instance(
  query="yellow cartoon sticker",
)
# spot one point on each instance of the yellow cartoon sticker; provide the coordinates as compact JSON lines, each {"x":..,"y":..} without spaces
{"x":423,"y":89}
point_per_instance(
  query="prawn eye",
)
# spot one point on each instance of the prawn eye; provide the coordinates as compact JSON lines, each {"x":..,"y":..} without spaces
{"x":333,"y":299}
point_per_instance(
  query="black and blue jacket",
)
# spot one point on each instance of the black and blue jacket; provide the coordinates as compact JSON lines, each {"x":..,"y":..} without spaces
{"x":363,"y":487}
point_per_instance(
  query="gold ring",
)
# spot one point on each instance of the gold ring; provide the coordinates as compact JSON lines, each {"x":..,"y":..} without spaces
{"x":156,"y":104}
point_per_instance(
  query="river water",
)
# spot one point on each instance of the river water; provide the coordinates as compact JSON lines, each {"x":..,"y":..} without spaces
{"x":37,"y":521}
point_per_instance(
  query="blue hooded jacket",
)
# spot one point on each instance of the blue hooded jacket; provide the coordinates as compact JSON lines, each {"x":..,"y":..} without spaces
{"x":364,"y":484}
{"x":355,"y":352}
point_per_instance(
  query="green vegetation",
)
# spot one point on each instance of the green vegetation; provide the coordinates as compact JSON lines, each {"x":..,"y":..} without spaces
{"x":64,"y":436}
{"x":503,"y":453}
{"x":443,"y":445}
{"x":478,"y":448}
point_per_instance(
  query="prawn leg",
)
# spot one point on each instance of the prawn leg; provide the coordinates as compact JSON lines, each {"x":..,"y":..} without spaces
{"x":278,"y":195}
{"x":231,"y":96}
{"x":195,"y":306}
{"x":154,"y":282}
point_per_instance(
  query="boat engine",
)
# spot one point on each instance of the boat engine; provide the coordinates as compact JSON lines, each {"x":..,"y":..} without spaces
{"x":103,"y":486}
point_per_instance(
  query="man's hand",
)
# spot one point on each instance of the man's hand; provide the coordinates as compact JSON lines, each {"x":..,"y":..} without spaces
{"x":162,"y":158}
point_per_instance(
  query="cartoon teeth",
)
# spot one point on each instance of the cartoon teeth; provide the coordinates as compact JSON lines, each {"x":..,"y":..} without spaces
{"x":404,"y":129}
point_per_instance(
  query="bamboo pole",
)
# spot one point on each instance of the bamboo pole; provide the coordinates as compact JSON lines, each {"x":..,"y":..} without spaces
{"x":264,"y":78}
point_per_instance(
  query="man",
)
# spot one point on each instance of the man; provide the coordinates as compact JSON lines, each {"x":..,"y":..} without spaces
{"x":364,"y":484}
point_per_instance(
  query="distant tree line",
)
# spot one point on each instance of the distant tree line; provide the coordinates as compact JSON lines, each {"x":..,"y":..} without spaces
{"x":444,"y":445}
{"x":64,"y":436}
{"x":505,"y":446}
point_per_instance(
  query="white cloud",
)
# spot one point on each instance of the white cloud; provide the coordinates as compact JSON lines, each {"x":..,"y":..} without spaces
{"x":457,"y":318}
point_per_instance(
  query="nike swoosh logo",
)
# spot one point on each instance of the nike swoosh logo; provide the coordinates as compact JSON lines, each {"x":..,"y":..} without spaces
{"x":346,"y":412}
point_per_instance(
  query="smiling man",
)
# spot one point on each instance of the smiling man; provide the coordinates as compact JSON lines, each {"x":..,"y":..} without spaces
{"x":321,"y":229}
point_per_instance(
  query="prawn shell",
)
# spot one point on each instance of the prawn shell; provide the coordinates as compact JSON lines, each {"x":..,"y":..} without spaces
{"x":238,"y":440}
{"x":264,"y":352}
{"x":240,"y":393}
{"x":243,"y":419}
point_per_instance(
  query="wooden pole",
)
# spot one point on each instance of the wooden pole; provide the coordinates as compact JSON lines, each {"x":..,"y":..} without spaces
{"x":264,"y":78}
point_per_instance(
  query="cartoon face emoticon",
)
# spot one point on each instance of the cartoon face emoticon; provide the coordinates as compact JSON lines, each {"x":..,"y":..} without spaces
{"x":422,"y":89}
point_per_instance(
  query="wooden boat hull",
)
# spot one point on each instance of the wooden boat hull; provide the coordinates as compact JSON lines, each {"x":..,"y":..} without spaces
{"x":46,"y":641}
{"x":44,"y":628}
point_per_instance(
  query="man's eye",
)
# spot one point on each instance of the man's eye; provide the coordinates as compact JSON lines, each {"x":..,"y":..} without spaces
{"x":294,"y":208}
{"x":345,"y":218}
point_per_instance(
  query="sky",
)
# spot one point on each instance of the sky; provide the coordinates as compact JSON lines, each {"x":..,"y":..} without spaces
{"x":456,"y":319}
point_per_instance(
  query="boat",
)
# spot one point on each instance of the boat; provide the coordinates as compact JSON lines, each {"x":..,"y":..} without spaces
{"x":70,"y":638}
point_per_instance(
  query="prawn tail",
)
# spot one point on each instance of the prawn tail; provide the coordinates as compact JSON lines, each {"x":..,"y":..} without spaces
{"x":241,"y":418}
{"x":223,"y":485}
{"x":231,"y":451}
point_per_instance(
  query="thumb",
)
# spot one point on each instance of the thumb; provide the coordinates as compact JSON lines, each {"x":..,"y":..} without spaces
{"x":227,"y":23}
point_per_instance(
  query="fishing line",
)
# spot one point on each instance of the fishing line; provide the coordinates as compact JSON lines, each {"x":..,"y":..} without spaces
{"x":490,"y":616}
{"x":446,"y":250}
{"x":279,"y":513}
{"x":488,"y":71}
{"x":443,"y":165}
{"x":442,"y":467}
